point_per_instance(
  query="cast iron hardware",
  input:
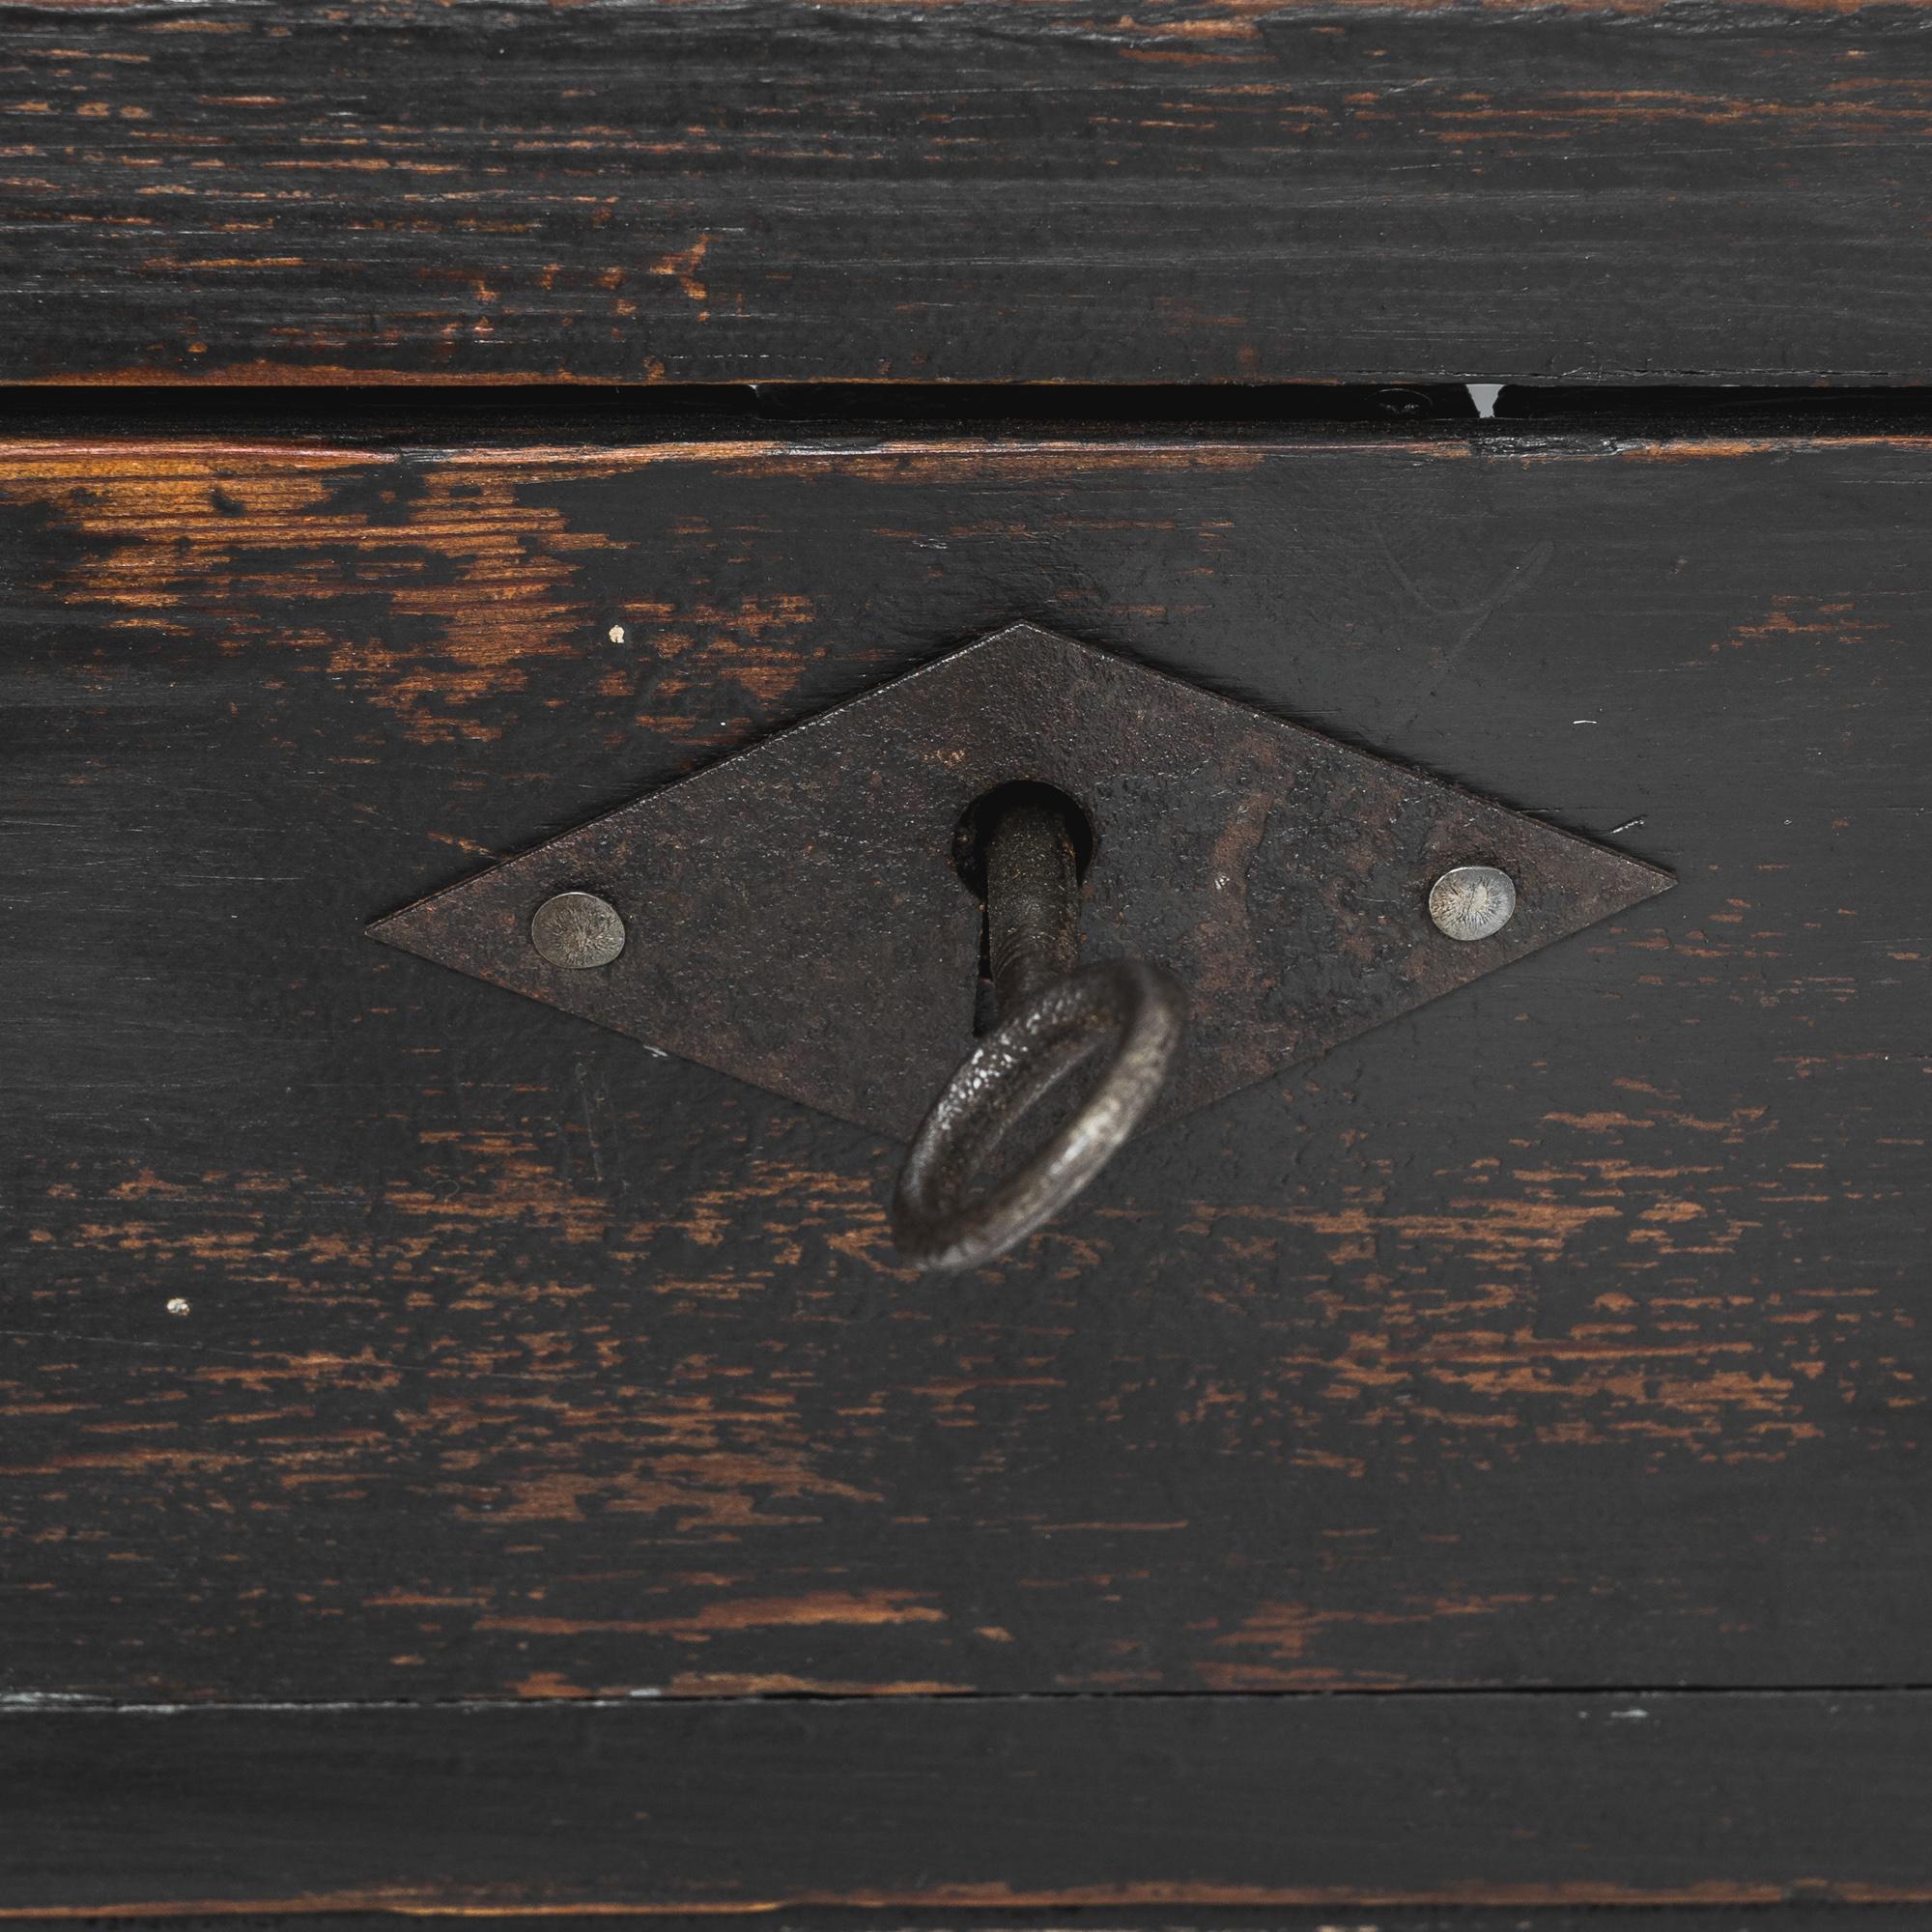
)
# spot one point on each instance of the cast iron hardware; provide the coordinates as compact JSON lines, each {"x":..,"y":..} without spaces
{"x":790,"y":915}
{"x":1053,"y":1019}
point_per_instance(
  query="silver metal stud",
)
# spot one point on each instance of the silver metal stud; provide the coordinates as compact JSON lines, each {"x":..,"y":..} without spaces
{"x":1472,"y":901}
{"x":577,"y":930}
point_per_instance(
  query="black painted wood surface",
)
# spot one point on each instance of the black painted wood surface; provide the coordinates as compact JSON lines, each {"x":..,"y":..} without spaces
{"x":967,"y":190}
{"x":374,"y":1334}
{"x":1800,"y":1911}
{"x":1193,"y":1801}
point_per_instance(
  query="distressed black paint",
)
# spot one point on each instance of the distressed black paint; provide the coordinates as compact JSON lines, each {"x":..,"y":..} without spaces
{"x":644,"y":190}
{"x":1571,"y":1339}
{"x":1802,"y":1912}
{"x":1189,"y":1802}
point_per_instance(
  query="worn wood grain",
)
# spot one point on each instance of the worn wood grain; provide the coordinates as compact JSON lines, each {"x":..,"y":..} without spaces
{"x":1567,"y":1332}
{"x":1359,"y":1802}
{"x":1796,"y":1912}
{"x":1786,"y":1914}
{"x":1222,"y":190}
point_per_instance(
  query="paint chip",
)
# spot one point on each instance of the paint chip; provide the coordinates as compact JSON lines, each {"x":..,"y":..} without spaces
{"x":616,"y":633}
{"x":178,"y":1304}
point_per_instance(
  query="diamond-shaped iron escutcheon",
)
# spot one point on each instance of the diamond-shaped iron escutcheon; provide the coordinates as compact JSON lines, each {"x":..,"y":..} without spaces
{"x":792,"y":914}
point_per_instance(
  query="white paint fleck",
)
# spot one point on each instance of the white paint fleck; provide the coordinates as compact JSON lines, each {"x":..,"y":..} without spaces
{"x":1632,"y":1714}
{"x":616,"y":633}
{"x":1582,"y":721}
{"x":77,"y":1700}
{"x":178,"y":1304}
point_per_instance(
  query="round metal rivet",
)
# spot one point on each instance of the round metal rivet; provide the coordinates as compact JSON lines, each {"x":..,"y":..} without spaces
{"x":1472,"y":901}
{"x":577,"y":930}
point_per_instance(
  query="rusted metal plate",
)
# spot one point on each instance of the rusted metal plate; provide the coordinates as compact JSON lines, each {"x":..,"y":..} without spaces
{"x":793,"y":917}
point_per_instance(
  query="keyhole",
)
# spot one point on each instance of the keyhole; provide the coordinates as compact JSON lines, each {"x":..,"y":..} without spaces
{"x":976,"y":822}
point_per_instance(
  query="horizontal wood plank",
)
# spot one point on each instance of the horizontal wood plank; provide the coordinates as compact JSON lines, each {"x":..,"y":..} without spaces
{"x":1796,"y":1912}
{"x":1214,"y":190}
{"x":372,"y":1332}
{"x":1363,"y":1801}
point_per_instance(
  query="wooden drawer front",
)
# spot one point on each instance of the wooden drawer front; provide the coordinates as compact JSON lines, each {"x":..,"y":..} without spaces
{"x":1206,"y":191}
{"x":1564,"y":1332}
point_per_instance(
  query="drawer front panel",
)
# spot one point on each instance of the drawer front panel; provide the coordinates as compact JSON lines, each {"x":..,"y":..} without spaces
{"x":377,"y":1333}
{"x":969,"y":190}
{"x":1570,"y":1802}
